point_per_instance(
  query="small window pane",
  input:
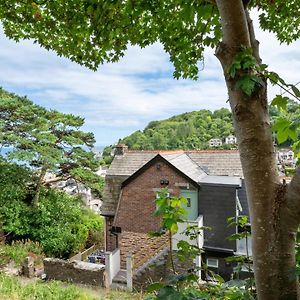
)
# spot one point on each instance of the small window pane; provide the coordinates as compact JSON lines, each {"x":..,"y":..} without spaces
{"x":188,"y":202}
{"x":212,"y":262}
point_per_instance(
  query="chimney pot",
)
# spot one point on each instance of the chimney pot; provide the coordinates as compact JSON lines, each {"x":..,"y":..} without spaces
{"x":120,"y":149}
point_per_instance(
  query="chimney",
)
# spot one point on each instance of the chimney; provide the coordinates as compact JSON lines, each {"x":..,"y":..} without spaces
{"x":120,"y":149}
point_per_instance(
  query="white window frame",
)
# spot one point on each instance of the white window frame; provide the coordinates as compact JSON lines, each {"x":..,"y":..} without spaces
{"x":245,"y":267}
{"x":166,"y":195}
{"x":212,"y":265}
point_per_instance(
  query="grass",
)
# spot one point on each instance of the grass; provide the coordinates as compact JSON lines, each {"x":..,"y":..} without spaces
{"x":13,"y":288}
{"x":18,"y":250}
{"x":18,"y":288}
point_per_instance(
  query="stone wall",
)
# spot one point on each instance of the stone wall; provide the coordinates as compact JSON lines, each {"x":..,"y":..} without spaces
{"x":141,"y":246}
{"x":158,"y":270}
{"x":75,"y":271}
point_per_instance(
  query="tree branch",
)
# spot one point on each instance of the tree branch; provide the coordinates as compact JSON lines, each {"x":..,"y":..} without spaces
{"x":56,"y":179}
{"x":254,"y":42}
{"x":234,"y":23}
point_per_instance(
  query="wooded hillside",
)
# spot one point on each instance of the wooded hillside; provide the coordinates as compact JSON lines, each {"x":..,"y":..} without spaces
{"x":193,"y":130}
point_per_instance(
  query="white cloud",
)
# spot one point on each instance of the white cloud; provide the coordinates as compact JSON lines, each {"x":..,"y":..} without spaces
{"x":123,"y":97}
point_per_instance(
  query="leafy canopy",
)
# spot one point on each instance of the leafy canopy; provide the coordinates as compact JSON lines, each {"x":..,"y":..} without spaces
{"x":100,"y":31}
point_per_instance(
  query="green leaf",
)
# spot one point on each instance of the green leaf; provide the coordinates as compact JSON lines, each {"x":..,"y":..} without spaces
{"x":174,"y":228}
{"x":273,"y":77}
{"x":234,"y":67}
{"x":296,"y":91}
{"x":280,"y":124}
{"x":154,"y":287}
{"x":282,"y":135}
{"x":169,"y":293}
{"x":293,"y":134}
{"x":246,"y":84}
{"x":280,"y":102}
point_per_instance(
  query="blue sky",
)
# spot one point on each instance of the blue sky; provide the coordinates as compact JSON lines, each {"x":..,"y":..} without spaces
{"x":123,"y":97}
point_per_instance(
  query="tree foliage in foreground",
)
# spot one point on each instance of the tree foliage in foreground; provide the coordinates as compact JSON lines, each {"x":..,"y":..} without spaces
{"x":91,"y":32}
{"x":47,"y":141}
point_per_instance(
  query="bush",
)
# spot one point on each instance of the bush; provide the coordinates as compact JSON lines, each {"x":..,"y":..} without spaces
{"x":62,"y":225}
{"x":18,"y":250}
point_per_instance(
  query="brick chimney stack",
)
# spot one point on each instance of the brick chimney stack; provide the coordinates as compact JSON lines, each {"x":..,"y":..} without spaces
{"x":120,"y":149}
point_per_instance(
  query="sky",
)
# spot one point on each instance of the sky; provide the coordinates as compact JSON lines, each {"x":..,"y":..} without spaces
{"x":123,"y":97}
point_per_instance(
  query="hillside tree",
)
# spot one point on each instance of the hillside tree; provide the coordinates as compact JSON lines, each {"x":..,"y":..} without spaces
{"x":91,"y":32}
{"x":47,"y":141}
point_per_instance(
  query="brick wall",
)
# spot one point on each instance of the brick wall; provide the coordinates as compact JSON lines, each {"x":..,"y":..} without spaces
{"x":111,"y":239}
{"x":137,"y":204}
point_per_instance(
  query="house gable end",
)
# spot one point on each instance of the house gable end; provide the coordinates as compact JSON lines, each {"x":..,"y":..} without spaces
{"x":154,"y":160}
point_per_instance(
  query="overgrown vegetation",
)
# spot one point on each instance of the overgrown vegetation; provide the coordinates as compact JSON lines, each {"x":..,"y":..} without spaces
{"x":12,"y":288}
{"x":60,"y":223}
{"x":43,"y":141}
{"x":19,"y":250}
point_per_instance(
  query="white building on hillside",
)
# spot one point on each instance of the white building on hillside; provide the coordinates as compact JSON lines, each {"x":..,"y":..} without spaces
{"x":231,"y":140}
{"x":215,"y":142}
{"x":286,"y":157}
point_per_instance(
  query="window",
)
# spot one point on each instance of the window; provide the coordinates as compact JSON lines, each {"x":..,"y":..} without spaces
{"x":212,"y":262}
{"x":158,"y":195}
{"x":245,"y":267}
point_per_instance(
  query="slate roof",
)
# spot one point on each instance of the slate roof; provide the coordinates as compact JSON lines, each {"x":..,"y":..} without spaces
{"x":129,"y":163}
{"x":213,"y":162}
{"x":218,"y":162}
{"x":183,"y":163}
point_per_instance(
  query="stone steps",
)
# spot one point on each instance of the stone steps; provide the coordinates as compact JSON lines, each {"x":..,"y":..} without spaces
{"x":119,"y":282}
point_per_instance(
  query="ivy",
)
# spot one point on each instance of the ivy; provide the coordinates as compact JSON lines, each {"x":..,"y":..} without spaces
{"x":244,"y":60}
{"x":244,"y":69}
{"x":249,"y":83}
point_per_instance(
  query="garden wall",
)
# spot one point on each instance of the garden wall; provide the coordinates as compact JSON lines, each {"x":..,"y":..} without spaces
{"x":75,"y":271}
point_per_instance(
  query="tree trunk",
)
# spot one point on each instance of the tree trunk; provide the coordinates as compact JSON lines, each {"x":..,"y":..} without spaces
{"x":274,"y":224}
{"x":39,"y":184}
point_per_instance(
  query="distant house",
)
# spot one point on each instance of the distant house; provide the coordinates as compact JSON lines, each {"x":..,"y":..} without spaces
{"x":73,"y":188}
{"x":211,"y":181}
{"x":215,"y":142}
{"x":102,"y":171}
{"x":286,"y":157}
{"x":231,"y":140}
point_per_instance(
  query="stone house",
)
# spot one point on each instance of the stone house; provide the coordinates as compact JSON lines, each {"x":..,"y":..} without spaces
{"x":211,"y":181}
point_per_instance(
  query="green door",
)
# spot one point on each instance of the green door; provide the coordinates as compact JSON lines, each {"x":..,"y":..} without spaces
{"x":192,"y":204}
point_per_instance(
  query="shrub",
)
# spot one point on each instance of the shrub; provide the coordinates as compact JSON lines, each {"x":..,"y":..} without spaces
{"x":18,"y":250}
{"x":59,"y":223}
{"x":62,"y":225}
